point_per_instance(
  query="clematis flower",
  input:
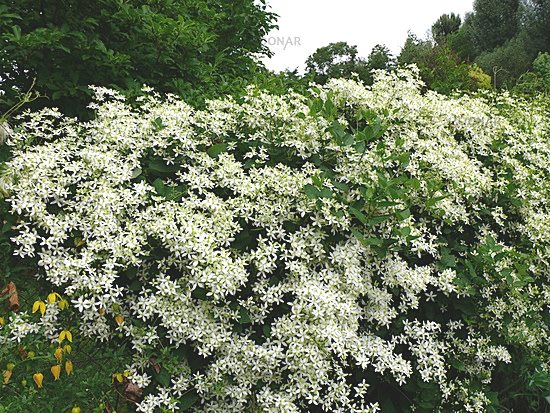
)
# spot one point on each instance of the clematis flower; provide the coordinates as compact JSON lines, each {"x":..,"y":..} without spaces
{"x":65,"y":334}
{"x":56,"y":371}
{"x":6,"y":374}
{"x":69,"y":367}
{"x":38,"y":378}
{"x":39,"y":305}
{"x":52,"y":297}
{"x":58,"y":354}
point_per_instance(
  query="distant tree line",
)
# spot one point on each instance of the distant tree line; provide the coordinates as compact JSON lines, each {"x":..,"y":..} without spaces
{"x":207,"y":48}
{"x":500,"y":44}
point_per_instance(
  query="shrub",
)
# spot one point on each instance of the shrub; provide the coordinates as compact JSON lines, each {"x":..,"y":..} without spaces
{"x":351,"y":249}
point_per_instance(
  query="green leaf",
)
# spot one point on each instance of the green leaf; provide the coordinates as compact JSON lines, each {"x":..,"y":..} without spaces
{"x":199,"y":293}
{"x":413,"y":183}
{"x":188,"y":400}
{"x":312,"y":192}
{"x":341,"y":186}
{"x":434,"y":200}
{"x":158,"y":184}
{"x":347,"y":140}
{"x":359,"y":215}
{"x":244,"y":317}
{"x":377,"y":219}
{"x":404,"y":214}
{"x":16,"y":32}
{"x":326,"y":193}
{"x":158,"y":125}
{"x":404,"y":232}
{"x":315,"y":106}
{"x":371,"y":241}
{"x":360,"y":147}
{"x":215,"y":150}
{"x":160,"y":166}
{"x":163,"y":378}
{"x":404,"y":159}
{"x":447,"y":260}
{"x":385,"y":204}
{"x":329,"y":108}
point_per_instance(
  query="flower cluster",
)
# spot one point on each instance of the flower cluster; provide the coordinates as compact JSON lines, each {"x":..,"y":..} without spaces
{"x":296,"y":251}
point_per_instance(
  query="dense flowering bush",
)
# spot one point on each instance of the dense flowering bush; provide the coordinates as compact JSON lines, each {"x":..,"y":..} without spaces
{"x":353,"y":250}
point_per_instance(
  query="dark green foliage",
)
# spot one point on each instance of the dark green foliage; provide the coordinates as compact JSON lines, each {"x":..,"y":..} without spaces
{"x":444,"y":26}
{"x":440,"y":67}
{"x":494,"y":22}
{"x":336,"y":60}
{"x":414,"y":50}
{"x":508,"y":62}
{"x":191,"y":48}
{"x":536,"y":18}
{"x":380,"y":58}
{"x":340,"y":60}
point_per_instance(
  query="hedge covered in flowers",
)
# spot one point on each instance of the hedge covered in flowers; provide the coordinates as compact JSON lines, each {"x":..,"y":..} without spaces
{"x":357,"y":249}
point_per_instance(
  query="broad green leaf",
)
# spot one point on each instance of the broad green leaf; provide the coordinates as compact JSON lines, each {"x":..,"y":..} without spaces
{"x":359,"y":215}
{"x":215,"y":150}
{"x":312,"y":192}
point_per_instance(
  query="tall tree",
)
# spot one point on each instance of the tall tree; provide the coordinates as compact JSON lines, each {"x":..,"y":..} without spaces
{"x":537,"y":23}
{"x":190,"y":48}
{"x":494,"y":22}
{"x":444,"y":26}
{"x":380,"y":58}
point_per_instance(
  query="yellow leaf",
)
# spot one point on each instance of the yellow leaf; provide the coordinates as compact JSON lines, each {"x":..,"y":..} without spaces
{"x":118,"y":377}
{"x":58,"y":354}
{"x":38,"y":377}
{"x":119,"y":319}
{"x":69,"y":367}
{"x":65,"y":334}
{"x":56,"y":371}
{"x":6,"y":374}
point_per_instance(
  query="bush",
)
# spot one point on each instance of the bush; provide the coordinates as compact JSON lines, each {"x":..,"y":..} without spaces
{"x":351,"y":249}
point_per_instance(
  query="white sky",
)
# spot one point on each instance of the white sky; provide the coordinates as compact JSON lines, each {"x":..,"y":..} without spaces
{"x":305,"y":25}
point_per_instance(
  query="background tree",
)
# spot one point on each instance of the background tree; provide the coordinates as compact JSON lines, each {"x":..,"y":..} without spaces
{"x":508,"y":62}
{"x":194,"y":49}
{"x":341,"y":60}
{"x":336,"y":60}
{"x":441,"y":68}
{"x":494,"y":22}
{"x":414,"y":50}
{"x":444,"y":26}
{"x":380,"y":58}
{"x":536,"y":18}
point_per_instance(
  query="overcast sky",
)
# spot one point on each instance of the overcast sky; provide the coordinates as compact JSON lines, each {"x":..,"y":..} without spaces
{"x":305,"y":25}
